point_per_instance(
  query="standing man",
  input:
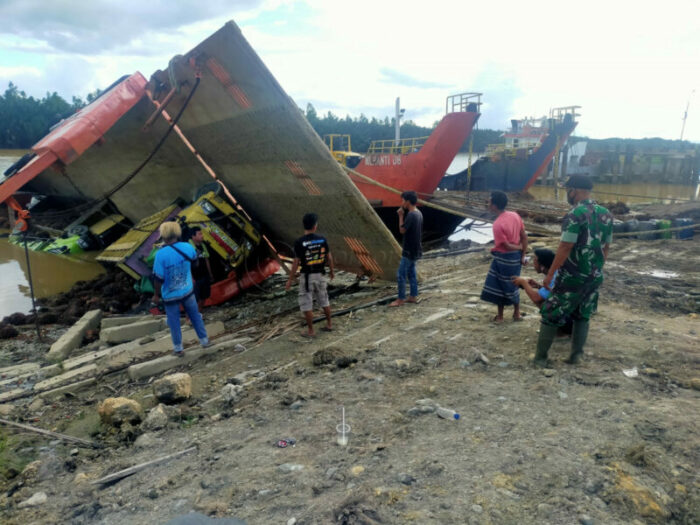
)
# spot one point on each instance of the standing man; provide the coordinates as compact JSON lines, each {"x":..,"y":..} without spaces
{"x":173,"y":282}
{"x":582,"y":252}
{"x":510,"y":246}
{"x":312,"y":252}
{"x":201,"y":269}
{"x":411,"y":226}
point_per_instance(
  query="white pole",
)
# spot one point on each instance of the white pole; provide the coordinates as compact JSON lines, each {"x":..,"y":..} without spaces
{"x":397,"y":124}
{"x":685,"y":115}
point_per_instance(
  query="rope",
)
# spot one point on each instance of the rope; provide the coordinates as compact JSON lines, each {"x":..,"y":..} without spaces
{"x":630,"y":234}
{"x":458,"y":213}
{"x":133,"y":174}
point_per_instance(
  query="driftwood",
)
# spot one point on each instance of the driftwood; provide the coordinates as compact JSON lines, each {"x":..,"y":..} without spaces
{"x":136,"y":468}
{"x":56,"y":435}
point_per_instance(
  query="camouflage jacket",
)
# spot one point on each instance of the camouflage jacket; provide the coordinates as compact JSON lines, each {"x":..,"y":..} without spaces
{"x":589,"y":227}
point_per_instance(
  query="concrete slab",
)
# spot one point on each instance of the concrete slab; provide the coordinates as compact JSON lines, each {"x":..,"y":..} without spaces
{"x":74,"y":336}
{"x":111,"y":322}
{"x":72,"y":387}
{"x":16,"y":370}
{"x":134,"y":353}
{"x":47,"y":371}
{"x":68,"y":377}
{"x":156,"y":366}
{"x":12,"y":394}
{"x":129,"y":332}
{"x":94,"y":355}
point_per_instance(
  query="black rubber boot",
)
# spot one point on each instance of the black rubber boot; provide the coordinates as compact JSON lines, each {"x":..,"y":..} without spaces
{"x":578,"y":340}
{"x":547,"y":335}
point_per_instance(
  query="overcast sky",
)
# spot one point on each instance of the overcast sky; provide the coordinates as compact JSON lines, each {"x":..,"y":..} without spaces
{"x":631,"y":66}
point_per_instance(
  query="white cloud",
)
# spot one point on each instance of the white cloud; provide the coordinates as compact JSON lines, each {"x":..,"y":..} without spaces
{"x":630,"y":67}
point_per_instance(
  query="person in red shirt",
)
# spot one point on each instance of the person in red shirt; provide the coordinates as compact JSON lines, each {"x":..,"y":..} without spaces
{"x":510,"y":246}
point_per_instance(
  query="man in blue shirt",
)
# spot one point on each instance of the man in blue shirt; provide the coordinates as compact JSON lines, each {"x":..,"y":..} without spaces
{"x":173,"y":282}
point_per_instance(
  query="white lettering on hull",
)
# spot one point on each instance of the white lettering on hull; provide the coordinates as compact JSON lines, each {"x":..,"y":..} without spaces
{"x":383,"y":160}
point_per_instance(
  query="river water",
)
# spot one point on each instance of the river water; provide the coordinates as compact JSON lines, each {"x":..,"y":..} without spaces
{"x":52,"y":274}
{"x":628,"y":193}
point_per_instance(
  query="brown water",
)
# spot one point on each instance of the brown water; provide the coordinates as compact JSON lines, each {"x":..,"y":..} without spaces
{"x":51,"y":274}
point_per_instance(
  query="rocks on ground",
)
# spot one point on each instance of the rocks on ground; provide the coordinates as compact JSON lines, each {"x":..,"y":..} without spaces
{"x":115,"y":411}
{"x":173,"y":388}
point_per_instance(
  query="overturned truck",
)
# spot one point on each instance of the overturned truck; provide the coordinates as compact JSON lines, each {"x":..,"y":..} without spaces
{"x":214,"y":117}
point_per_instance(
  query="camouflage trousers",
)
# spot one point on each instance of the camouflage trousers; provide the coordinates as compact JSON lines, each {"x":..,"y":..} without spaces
{"x":570,"y":301}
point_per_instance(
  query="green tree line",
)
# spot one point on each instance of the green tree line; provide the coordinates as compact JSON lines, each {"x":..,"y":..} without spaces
{"x":24,"y":120}
{"x":363,"y":130}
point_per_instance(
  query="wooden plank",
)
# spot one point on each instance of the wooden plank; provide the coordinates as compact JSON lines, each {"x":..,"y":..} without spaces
{"x":62,"y":437}
{"x":136,"y":468}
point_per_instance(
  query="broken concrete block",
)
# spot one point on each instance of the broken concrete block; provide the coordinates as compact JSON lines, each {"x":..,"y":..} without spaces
{"x":159,"y":416}
{"x":45,"y":371}
{"x":71,"y":376}
{"x":16,"y":370}
{"x":129,"y":332}
{"x":15,"y":393}
{"x":156,"y":419}
{"x":37,"y":499}
{"x":161,"y":364}
{"x":173,"y":388}
{"x":126,"y":354}
{"x":6,"y":409}
{"x":231,"y":393}
{"x":118,"y":410}
{"x":37,"y":404}
{"x":70,"y":388}
{"x":111,"y":322}
{"x":74,"y":336}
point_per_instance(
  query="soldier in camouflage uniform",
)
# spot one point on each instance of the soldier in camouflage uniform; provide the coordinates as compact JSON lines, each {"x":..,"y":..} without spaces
{"x":583,"y":249}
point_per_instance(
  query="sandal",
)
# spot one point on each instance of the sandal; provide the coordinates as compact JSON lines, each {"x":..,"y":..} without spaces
{"x":307,"y":335}
{"x":326,"y":329}
{"x":397,"y":302}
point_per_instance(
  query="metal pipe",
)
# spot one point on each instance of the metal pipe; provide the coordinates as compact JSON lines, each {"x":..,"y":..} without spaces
{"x":31,"y":288}
{"x":160,"y":106}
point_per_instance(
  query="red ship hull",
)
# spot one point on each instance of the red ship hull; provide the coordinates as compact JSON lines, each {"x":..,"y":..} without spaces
{"x":420,"y":171}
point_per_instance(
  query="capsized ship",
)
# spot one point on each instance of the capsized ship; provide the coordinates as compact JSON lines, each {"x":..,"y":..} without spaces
{"x":416,"y":164}
{"x":215,"y":114}
{"x":528,"y":149}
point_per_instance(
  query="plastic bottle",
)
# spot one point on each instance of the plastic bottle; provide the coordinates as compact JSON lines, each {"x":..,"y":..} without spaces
{"x":447,"y":413}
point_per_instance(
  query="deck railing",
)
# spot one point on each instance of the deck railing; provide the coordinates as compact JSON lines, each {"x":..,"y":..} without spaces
{"x":463,"y":102}
{"x":390,"y":146}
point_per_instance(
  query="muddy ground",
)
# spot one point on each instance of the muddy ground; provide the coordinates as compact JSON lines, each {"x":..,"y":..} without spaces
{"x":574,"y":444}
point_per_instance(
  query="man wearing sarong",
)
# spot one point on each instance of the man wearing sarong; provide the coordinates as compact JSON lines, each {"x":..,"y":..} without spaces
{"x":510,"y":246}
{"x":583,"y":249}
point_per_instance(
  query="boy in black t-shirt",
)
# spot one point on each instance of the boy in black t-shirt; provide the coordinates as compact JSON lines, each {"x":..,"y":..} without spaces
{"x":312,"y":252}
